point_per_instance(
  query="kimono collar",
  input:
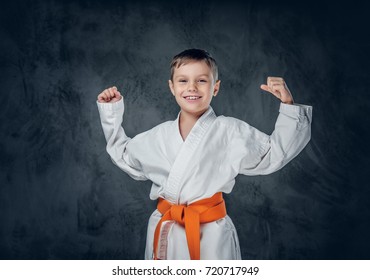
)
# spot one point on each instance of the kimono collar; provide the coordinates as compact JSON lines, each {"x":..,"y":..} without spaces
{"x":207,"y":118}
{"x":200,"y":127}
{"x":204,"y":120}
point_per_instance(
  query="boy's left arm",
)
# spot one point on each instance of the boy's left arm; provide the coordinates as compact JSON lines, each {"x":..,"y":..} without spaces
{"x":291,"y":134}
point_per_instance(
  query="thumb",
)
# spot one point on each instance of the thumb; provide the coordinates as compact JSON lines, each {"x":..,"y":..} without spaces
{"x":117,"y":94}
{"x":265,"y":87}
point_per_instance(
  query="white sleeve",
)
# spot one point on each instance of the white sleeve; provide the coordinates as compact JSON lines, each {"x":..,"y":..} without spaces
{"x":111,"y":116}
{"x":270,"y":153}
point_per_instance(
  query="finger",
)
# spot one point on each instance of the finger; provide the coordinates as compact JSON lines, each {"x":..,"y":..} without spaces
{"x":111,"y":93}
{"x":269,"y":83}
{"x":114,"y":88}
{"x":116,"y":98}
{"x":116,"y":92}
{"x":275,"y":78}
{"x":272,"y":80}
{"x":107,"y":95}
{"x":267,"y":88}
{"x":100,"y":98}
{"x":277,"y":88}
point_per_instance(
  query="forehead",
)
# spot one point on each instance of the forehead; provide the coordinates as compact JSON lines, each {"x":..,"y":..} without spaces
{"x":193,"y":67}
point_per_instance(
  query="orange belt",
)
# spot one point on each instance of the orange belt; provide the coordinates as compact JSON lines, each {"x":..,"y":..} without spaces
{"x":191,"y":216}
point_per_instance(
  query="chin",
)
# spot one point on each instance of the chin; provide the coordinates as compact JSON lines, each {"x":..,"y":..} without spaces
{"x":194,"y":110}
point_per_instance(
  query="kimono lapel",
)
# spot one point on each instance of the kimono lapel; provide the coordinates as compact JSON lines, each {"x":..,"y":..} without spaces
{"x":185,"y":154}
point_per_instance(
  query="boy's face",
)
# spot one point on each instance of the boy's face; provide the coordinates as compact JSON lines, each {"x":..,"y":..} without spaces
{"x":193,"y":87}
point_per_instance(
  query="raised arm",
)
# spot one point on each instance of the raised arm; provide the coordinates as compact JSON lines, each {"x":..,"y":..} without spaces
{"x":111,"y":108}
{"x":264,"y":154}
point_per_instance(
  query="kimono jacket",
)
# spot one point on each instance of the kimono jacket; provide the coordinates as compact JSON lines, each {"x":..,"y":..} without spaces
{"x":216,"y":150}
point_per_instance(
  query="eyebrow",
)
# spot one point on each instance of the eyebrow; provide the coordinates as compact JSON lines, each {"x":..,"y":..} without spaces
{"x":180,"y":76}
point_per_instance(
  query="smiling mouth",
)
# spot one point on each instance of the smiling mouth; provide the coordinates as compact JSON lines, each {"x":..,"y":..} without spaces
{"x":192,"y":97}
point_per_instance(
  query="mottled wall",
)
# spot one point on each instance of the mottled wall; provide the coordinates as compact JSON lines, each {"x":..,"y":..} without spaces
{"x":62,"y":198}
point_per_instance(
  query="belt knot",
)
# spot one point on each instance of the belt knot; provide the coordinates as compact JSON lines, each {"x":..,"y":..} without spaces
{"x":190,"y":216}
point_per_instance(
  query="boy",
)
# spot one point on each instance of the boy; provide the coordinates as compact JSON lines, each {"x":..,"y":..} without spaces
{"x":194,"y":159}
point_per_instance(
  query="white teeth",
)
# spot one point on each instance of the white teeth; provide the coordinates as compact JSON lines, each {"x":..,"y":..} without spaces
{"x":192,"y":97}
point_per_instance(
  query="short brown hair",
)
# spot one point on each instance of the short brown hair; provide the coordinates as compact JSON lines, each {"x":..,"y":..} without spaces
{"x":194,"y":54}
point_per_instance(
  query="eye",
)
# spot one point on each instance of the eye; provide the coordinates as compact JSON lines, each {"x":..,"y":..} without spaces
{"x":182,"y":81}
{"x":203,"y":81}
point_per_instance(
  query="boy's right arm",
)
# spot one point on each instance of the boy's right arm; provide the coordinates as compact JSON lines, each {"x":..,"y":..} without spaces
{"x":111,"y":116}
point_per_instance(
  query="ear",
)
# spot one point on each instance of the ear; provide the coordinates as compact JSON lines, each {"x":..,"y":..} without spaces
{"x":216,"y":87}
{"x":170,"y":84}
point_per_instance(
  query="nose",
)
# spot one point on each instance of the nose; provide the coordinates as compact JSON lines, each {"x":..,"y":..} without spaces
{"x":192,"y":87}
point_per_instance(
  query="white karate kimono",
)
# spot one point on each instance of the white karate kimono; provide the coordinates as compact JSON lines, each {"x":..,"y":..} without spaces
{"x":217,"y":149}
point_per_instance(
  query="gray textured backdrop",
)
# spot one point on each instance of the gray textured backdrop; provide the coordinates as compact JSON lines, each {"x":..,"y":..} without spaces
{"x":62,"y":198}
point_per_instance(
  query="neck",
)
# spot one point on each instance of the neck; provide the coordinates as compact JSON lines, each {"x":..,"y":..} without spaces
{"x":187,"y":121}
{"x":189,"y":117}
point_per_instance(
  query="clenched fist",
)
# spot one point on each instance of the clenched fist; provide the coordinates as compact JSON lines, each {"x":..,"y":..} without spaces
{"x":109,"y":95}
{"x":279,"y":88}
